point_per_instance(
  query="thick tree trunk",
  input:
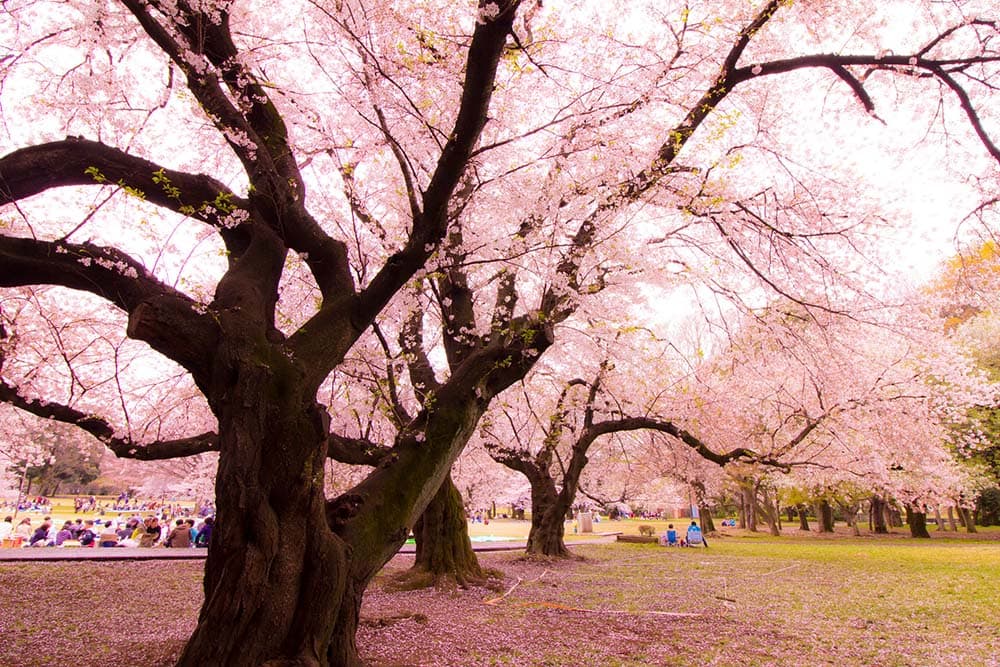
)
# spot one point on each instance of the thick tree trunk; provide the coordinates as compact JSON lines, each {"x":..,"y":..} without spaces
{"x":893,"y":517}
{"x":851,"y":517}
{"x":877,"y":515}
{"x":803,"y":517}
{"x":705,"y":514}
{"x":287,"y":569}
{"x":548,"y":518}
{"x":771,"y":514}
{"x":951,"y":519}
{"x":750,"y":504}
{"x":277,"y":583}
{"x":917,"y":522}
{"x":970,"y":525}
{"x":443,"y":548}
{"x":824,"y":516}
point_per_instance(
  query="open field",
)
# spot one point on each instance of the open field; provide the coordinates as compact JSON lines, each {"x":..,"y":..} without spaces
{"x":748,"y":600}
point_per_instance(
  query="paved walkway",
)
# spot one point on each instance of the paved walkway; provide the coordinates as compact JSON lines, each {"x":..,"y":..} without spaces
{"x":158,"y":553}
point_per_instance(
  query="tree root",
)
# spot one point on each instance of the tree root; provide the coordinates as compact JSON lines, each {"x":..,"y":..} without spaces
{"x":386,"y":621}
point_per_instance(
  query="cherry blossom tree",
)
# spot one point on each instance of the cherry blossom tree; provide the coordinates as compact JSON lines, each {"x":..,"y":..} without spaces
{"x":20,"y":453}
{"x":242,"y":196}
{"x":843,"y":402}
{"x":547,"y":435}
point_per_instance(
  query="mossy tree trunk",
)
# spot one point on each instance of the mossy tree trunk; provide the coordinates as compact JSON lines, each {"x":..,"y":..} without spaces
{"x":443,"y":547}
{"x":750,"y":506}
{"x":770,"y":512}
{"x":850,"y":512}
{"x":548,"y":516}
{"x":705,"y":515}
{"x":893,"y":516}
{"x":279,"y":583}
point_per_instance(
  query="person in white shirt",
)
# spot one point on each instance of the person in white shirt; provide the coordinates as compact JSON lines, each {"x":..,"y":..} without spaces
{"x":6,"y":527}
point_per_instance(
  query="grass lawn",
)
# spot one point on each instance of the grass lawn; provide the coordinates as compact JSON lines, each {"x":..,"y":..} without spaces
{"x":747,"y":600}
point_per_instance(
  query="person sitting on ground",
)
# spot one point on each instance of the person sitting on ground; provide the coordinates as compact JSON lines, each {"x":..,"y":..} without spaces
{"x":695,"y":536}
{"x":205,"y":533}
{"x":6,"y":527}
{"x":41,"y":536}
{"x":671,"y":536}
{"x":125,"y":529}
{"x":65,"y":533}
{"x":87,"y":536}
{"x":151,"y":533}
{"x":23,"y":529}
{"x":138,"y":530}
{"x":180,"y":536}
{"x":108,"y":536}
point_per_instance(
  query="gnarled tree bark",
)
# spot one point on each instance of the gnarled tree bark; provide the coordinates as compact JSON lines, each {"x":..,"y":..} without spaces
{"x":443,"y":548}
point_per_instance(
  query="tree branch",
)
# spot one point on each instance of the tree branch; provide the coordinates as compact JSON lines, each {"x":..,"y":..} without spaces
{"x":168,"y":320}
{"x":485,"y":51}
{"x":356,"y":451}
{"x":78,"y":161}
{"x":253,"y":128}
{"x":123,"y":447}
{"x":668,"y":427}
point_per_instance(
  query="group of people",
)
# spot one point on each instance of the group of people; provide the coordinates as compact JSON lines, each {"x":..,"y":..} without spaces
{"x":84,"y":505}
{"x":128,"y":503}
{"x":133,"y":532}
{"x":36,"y":504}
{"x":692,"y":538}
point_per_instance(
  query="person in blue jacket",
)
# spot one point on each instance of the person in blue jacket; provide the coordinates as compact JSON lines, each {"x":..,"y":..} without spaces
{"x":695,"y":536}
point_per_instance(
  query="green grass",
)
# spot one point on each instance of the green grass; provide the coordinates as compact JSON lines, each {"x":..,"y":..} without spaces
{"x":798,"y":599}
{"x":820,"y":596}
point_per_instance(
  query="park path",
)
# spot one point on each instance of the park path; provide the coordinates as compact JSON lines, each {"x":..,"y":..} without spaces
{"x":160,"y":553}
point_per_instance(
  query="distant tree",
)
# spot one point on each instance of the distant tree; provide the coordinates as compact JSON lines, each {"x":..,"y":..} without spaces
{"x":548,"y":439}
{"x":68,"y":464}
{"x":988,"y":507}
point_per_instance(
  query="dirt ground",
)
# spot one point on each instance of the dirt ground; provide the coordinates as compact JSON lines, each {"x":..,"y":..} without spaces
{"x":620,"y":604}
